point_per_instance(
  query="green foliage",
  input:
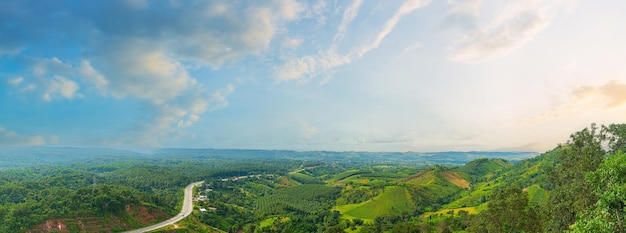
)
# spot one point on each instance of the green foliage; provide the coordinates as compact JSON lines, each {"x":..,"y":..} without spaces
{"x":508,"y":211}
{"x":571,"y":193}
{"x":304,"y":179}
{"x":537,"y":195}
{"x":429,"y":188}
{"x":480,"y":168}
{"x":394,"y":200}
{"x":609,"y":184}
{"x":297,"y":199}
{"x":357,"y":194}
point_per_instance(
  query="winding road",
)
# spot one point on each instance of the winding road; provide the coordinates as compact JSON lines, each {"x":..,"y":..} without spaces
{"x":184,"y":212}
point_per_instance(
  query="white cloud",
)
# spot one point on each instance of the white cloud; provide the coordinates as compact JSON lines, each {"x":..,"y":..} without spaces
{"x":218,"y":100}
{"x":465,"y":6}
{"x":516,"y":25}
{"x":306,"y":67}
{"x":155,"y":67}
{"x":292,"y":43}
{"x":29,"y":87}
{"x":463,"y":13}
{"x":406,"y":50}
{"x":348,"y":15}
{"x":584,"y":99}
{"x":54,"y":77}
{"x":52,"y":66}
{"x":16,"y":81}
{"x":87,"y":72}
{"x":408,"y":7}
{"x":62,"y":86}
{"x":231,"y":32}
{"x":171,"y":119}
{"x":317,"y":12}
{"x":148,"y":74}
{"x":12,"y":138}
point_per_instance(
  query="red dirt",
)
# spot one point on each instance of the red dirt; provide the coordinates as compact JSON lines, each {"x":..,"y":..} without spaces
{"x":456,"y":179}
{"x":143,"y":214}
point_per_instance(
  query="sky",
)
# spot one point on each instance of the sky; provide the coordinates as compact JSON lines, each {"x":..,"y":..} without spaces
{"x":414,"y":75}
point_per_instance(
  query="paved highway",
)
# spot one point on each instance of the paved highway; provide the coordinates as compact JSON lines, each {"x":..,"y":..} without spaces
{"x":184,"y":212}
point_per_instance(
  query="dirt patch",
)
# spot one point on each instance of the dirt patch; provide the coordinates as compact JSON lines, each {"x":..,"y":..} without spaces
{"x":286,"y":181}
{"x":52,"y":225}
{"x":143,"y":214}
{"x":455,"y":179}
{"x":414,"y":176}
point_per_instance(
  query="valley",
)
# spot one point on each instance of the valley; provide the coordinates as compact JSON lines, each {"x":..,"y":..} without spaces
{"x":282,"y":191}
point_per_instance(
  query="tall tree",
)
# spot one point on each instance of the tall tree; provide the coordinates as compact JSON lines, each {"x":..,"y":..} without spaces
{"x":609,"y":184}
{"x":508,"y":210}
{"x":570,"y":192}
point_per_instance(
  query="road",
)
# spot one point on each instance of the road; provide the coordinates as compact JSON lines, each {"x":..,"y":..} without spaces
{"x":184,"y":212}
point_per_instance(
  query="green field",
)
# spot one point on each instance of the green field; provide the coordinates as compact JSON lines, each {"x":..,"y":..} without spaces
{"x":537,"y":194}
{"x":393,"y":200}
{"x":446,"y":212}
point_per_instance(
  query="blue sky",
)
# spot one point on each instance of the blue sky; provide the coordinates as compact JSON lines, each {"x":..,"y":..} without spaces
{"x":357,"y":75}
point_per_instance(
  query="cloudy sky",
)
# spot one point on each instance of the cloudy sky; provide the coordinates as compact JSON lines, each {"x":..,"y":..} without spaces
{"x":415,"y":75}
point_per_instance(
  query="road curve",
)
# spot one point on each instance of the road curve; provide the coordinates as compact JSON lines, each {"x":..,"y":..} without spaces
{"x":184,"y":212}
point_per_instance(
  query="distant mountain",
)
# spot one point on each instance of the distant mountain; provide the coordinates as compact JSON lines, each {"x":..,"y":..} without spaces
{"x":12,"y":157}
{"x":454,"y":158}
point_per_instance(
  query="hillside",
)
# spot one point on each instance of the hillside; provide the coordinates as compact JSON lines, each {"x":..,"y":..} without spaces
{"x":393,"y":200}
{"x":484,"y":168}
{"x":329,"y":194}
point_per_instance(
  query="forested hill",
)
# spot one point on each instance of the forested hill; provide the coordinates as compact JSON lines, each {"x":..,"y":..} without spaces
{"x":579,"y":186}
{"x":14,"y":157}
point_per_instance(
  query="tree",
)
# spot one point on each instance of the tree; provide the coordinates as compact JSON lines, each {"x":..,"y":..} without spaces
{"x":570,"y":192}
{"x":609,"y":184}
{"x":615,"y":135}
{"x":508,"y":211}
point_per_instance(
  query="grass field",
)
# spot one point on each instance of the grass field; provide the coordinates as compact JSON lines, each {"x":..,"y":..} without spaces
{"x":480,"y":191}
{"x":470,"y":210}
{"x":270,"y":221}
{"x":537,"y":194}
{"x":394,"y":199}
{"x":190,"y":224}
{"x":423,"y":178}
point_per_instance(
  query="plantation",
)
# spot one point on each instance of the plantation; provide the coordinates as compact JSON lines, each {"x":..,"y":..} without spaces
{"x":300,"y":199}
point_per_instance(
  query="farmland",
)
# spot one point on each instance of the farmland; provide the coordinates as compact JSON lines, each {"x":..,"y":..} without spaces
{"x":393,"y":200}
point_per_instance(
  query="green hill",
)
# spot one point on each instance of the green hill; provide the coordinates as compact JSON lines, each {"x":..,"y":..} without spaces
{"x":484,"y":168}
{"x":531,"y":171}
{"x":490,"y":174}
{"x":438,"y":185}
{"x":393,"y":200}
